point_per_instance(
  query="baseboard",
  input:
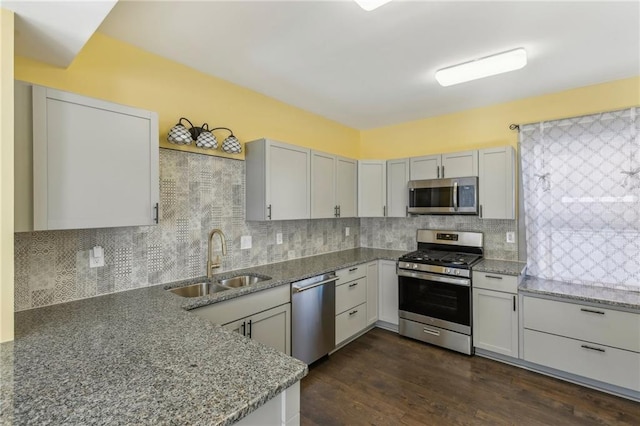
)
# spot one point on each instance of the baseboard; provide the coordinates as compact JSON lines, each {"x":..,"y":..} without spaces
{"x":561,"y":375}
{"x":387,"y":326}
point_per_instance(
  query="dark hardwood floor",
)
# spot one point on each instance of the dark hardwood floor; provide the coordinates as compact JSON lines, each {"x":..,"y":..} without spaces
{"x":384,"y":379}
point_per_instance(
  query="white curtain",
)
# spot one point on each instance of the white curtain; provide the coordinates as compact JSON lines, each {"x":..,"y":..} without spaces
{"x":581,"y":181}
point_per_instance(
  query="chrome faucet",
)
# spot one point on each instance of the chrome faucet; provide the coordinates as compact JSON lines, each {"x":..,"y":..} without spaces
{"x":214,"y":263}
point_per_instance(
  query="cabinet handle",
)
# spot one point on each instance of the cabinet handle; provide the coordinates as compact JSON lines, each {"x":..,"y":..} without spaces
{"x":335,"y":211}
{"x":353,"y":312}
{"x":244,"y":329}
{"x":156,"y":213}
{"x":406,"y":211}
{"x":339,"y":211}
{"x":353,"y":269}
{"x":430,"y":331}
{"x":514,"y":303}
{"x":591,"y":311}
{"x":269,"y":212}
{"x":353,"y":285}
{"x":384,"y":211}
{"x":443,"y":171}
{"x":494,"y":277}
{"x":592,"y":348}
{"x":438,"y":172}
{"x":249,"y":332}
{"x":480,"y":212}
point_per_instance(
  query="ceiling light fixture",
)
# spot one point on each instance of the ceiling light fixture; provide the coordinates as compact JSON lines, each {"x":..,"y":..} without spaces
{"x":484,"y":67}
{"x":369,"y":5}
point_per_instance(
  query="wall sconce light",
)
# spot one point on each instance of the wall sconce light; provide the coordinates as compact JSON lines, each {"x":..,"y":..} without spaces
{"x":203,"y":137}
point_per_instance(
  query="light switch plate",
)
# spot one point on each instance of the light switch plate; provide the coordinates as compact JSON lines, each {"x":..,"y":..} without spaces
{"x":347,"y":231}
{"x":279,"y":238}
{"x":511,"y":237}
{"x":245,"y":242}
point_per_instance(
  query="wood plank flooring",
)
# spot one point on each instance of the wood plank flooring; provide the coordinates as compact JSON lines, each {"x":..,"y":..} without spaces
{"x":384,"y":379}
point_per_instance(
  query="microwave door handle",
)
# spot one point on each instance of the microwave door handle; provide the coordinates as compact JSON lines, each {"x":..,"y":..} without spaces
{"x":455,"y":196}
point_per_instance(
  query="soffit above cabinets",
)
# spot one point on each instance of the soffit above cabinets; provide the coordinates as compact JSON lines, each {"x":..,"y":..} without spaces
{"x":54,"y":32}
{"x":371,"y":69}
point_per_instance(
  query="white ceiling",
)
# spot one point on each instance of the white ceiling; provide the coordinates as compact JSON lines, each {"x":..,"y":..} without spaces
{"x":370,"y":69}
{"x":54,"y":32}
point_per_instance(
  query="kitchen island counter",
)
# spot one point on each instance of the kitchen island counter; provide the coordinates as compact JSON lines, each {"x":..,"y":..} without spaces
{"x":139,"y":357}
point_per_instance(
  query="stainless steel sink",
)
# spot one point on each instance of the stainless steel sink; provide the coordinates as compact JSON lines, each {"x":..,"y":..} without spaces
{"x":242,"y":281}
{"x":197,"y":290}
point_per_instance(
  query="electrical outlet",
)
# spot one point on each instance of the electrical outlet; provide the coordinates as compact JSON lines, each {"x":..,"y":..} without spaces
{"x":279,"y":238}
{"x":96,"y":257}
{"x":347,"y":231}
{"x":245,"y":242}
{"x":511,"y":237}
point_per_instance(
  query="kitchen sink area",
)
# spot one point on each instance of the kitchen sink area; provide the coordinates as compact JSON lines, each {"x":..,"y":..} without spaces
{"x":211,"y":287}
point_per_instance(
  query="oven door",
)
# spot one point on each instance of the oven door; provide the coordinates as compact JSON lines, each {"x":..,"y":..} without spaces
{"x":434,"y":299}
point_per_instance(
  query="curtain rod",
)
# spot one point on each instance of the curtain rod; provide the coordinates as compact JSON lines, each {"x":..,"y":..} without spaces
{"x":514,"y":126}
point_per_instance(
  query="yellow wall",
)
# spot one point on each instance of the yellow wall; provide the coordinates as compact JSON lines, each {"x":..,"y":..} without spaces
{"x":6,"y":175}
{"x":109,"y":69}
{"x":489,"y":126}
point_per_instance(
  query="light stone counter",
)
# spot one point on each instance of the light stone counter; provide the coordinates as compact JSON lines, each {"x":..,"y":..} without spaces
{"x":139,"y":357}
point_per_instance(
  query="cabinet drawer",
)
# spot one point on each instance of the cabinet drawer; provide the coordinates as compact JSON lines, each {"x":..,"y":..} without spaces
{"x":615,"y":366}
{"x":351,"y":294}
{"x":592,"y":324}
{"x":497,"y":282}
{"x":352,"y":273}
{"x":350,"y":322}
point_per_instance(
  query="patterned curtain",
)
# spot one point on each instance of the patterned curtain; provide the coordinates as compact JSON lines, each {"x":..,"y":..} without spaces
{"x":581,"y":181}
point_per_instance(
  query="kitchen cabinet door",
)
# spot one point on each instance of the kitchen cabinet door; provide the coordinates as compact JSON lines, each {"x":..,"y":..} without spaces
{"x":495,"y":321}
{"x":372,"y":188}
{"x":323,"y":185}
{"x":239,"y":326}
{"x":95,"y":163}
{"x":272,"y":328}
{"x":372,"y":292}
{"x":388,"y":292}
{"x":497,"y":183}
{"x":397,"y":189}
{"x":347,"y":187}
{"x":278,"y":181}
{"x":426,"y":167}
{"x":459,"y":164}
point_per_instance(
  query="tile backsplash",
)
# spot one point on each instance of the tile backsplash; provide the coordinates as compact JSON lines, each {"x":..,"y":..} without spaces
{"x":197,"y":193}
{"x":400,"y":233}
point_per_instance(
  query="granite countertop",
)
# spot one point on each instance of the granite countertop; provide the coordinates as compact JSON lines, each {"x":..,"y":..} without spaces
{"x":615,"y":298}
{"x":504,"y":267}
{"x":139,"y":357}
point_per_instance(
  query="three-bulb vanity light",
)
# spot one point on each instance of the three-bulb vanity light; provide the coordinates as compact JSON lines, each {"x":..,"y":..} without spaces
{"x":203,"y":137}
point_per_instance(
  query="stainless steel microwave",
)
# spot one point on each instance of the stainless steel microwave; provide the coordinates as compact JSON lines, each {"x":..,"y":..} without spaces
{"x":444,"y":196}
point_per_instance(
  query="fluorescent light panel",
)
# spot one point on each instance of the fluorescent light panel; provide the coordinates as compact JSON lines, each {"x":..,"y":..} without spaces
{"x":484,"y":67}
{"x":369,"y":5}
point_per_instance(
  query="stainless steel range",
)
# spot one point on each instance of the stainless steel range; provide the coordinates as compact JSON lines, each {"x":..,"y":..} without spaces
{"x":435,"y":288}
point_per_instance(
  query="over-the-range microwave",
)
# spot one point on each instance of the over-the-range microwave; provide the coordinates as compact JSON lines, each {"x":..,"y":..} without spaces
{"x":444,"y":196}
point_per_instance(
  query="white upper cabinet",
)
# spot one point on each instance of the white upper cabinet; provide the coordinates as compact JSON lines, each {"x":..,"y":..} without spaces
{"x":347,"y":187}
{"x":334,"y":186}
{"x":497,"y":183}
{"x":450,"y":165}
{"x":372,"y":188}
{"x":427,"y":167}
{"x":95,"y":163}
{"x":323,"y":185}
{"x":397,"y":189}
{"x":278,"y":179}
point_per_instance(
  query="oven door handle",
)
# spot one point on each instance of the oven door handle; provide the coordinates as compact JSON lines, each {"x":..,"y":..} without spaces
{"x":432,"y":277}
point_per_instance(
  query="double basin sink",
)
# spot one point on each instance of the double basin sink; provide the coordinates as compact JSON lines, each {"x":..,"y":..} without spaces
{"x":205,"y":288}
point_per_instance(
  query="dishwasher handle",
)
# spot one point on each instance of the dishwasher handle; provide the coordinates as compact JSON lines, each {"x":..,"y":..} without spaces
{"x":298,"y":289}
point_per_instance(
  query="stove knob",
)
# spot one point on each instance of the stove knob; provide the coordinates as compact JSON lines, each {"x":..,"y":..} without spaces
{"x":457,"y":272}
{"x":415,"y":266}
{"x":447,"y":270}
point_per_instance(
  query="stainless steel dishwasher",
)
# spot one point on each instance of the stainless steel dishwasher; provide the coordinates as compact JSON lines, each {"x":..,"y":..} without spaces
{"x":313,"y":317}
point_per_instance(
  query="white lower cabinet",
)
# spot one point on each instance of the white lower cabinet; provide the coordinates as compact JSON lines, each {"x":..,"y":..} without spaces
{"x":270,"y":327}
{"x":281,"y":410}
{"x":596,"y":343}
{"x":372,"y":292}
{"x":495,"y":313}
{"x":264,"y":316}
{"x":351,"y":302}
{"x":387,"y":292}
